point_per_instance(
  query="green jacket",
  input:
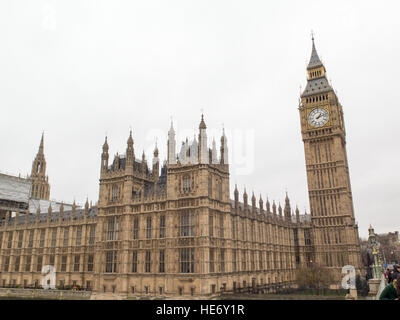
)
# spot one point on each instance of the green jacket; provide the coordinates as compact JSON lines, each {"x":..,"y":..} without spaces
{"x":389,"y":293}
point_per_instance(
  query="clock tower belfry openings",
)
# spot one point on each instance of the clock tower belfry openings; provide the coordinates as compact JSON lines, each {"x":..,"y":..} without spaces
{"x":336,"y":240}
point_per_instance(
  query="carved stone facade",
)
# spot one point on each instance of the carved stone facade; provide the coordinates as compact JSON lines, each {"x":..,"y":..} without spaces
{"x":336,"y":239}
{"x":173,"y":230}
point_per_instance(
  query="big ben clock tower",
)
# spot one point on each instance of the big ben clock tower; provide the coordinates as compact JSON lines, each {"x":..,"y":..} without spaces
{"x":335,"y":240}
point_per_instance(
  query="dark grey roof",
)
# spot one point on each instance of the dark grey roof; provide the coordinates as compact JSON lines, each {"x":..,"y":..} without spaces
{"x":316,"y":86}
{"x":315,"y":61}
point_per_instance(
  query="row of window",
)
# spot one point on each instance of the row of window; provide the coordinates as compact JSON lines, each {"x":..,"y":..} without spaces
{"x":323,"y":97}
{"x":186,"y":261}
{"x":186,"y":226}
{"x":30,"y":235}
{"x":25,"y":263}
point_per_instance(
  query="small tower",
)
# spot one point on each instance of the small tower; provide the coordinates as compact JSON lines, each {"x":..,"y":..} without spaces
{"x":236,"y":195}
{"x":40,"y":182}
{"x":245,"y":199}
{"x":130,"y":153}
{"x":297,"y":215}
{"x":203,"y":150}
{"x":280,"y":211}
{"x":261,"y":204}
{"x":268,"y":208}
{"x":253,"y":202}
{"x":224,"y":148}
{"x":214,"y":156}
{"x":156,"y":164}
{"x":274,"y":208}
{"x":287,"y":209}
{"x":171,"y":145}
{"x":104,"y":157}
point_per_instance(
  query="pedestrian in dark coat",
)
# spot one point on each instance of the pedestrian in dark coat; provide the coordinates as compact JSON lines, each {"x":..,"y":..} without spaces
{"x":392,"y":290}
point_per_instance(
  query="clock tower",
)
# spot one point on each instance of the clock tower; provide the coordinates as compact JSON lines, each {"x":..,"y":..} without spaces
{"x":335,"y":239}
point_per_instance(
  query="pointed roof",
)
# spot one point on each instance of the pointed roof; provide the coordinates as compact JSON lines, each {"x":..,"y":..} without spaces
{"x":202,"y":123}
{"x":317,"y":85}
{"x":315,"y":61}
{"x":41,"y":146}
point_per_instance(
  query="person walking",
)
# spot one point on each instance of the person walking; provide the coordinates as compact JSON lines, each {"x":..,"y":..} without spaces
{"x":392,"y":290}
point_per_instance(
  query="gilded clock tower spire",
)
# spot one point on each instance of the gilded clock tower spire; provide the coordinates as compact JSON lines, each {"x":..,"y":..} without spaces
{"x":336,"y":240}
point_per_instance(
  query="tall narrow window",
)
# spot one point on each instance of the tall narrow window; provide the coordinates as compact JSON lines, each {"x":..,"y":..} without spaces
{"x":210,"y":187}
{"x":6,"y":263}
{"x":211,"y":260}
{"x":136,"y":228}
{"x":90,"y":263}
{"x":186,"y":260}
{"x":54,"y":237}
{"x":66,"y":237}
{"x":28,"y":263}
{"x":162,"y":226}
{"x":78,"y":235}
{"x":10,"y":237}
{"x":39,"y":263}
{"x":111,"y":261}
{"x":243,"y":260}
{"x":42,"y":235}
{"x":234,"y":260}
{"x":162,"y":261}
{"x":77,"y":262}
{"x":148,"y":262}
{"x":30,"y":242}
{"x":113,"y":228}
{"x":187,"y":224}
{"x":20,"y":237}
{"x":186,"y":184}
{"x":221,"y":226}
{"x":17,"y":261}
{"x":1,"y":239}
{"x":211,"y":225}
{"x":148,"y":228}
{"x":222,"y":260}
{"x":134,"y":261}
{"x":92,"y":234}
{"x":64,"y":263}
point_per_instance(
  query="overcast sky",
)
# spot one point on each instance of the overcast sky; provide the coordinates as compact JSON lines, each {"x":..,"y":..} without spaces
{"x":81,"y":69}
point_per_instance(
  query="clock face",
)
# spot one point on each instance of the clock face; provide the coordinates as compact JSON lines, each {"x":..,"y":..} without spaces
{"x":318,"y":117}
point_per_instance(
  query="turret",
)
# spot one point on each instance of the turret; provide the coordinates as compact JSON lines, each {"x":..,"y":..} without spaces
{"x":224,"y":148}
{"x":171,"y":145}
{"x":214,"y":155}
{"x":130,"y":153}
{"x":274,"y":208}
{"x":287,"y":209}
{"x":268,"y":207}
{"x":280,"y":211}
{"x":253,"y":202}
{"x":236,"y":195}
{"x":261,"y":204}
{"x":245,"y":199}
{"x":297,"y":215}
{"x":156,"y":164}
{"x":203,"y":149}
{"x":104,"y":157}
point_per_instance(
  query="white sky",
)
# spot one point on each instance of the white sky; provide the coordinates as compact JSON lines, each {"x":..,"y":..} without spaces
{"x":79,"y":69}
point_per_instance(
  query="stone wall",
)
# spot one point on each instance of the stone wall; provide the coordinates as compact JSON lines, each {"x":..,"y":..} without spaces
{"x":44,"y":294}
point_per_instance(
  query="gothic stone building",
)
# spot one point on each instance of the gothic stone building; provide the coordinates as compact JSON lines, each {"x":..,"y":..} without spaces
{"x":174,"y":230}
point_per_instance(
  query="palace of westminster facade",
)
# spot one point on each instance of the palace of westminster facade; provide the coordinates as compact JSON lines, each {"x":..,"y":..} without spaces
{"x":173,"y":230}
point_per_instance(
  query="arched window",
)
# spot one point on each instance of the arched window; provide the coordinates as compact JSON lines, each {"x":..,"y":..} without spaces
{"x":186,"y":184}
